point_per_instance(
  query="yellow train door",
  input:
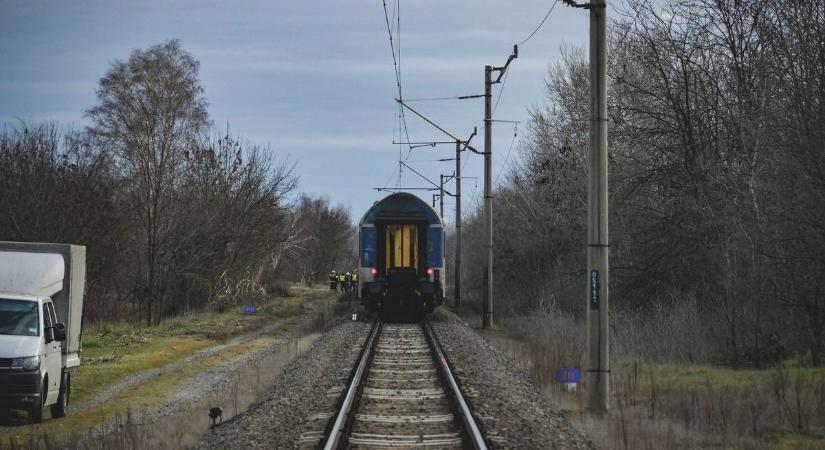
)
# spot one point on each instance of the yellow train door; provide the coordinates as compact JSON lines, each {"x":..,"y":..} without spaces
{"x":401,"y":246}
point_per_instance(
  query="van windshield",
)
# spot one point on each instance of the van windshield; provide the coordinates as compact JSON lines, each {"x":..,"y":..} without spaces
{"x":19,"y":317}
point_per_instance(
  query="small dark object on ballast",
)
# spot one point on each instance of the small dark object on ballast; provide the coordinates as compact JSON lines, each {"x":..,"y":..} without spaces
{"x":215,"y":413}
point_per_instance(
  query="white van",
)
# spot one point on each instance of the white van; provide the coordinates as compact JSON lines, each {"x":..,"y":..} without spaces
{"x":41,"y":307}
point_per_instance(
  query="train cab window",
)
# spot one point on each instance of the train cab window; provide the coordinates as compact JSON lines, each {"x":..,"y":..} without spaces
{"x":401,"y":246}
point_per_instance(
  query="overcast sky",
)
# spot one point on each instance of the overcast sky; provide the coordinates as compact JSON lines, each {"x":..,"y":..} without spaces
{"x":312,"y":80}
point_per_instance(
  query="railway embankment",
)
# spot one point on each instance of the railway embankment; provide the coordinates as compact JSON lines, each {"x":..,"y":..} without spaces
{"x":300,"y":402}
{"x":507,"y":402}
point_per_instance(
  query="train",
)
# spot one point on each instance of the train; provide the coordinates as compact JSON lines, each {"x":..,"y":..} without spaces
{"x":401,"y":258}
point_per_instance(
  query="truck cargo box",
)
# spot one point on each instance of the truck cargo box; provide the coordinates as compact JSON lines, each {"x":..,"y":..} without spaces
{"x":49,"y":270}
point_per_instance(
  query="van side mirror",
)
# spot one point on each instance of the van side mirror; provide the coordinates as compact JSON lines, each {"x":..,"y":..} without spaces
{"x":55,"y":333}
{"x":60,"y":331}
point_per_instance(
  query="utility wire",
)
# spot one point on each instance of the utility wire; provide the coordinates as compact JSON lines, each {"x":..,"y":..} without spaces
{"x":504,"y":81}
{"x":507,"y":158}
{"x":457,"y":97}
{"x":396,"y":62}
{"x":392,"y":45}
{"x":540,"y":24}
{"x":500,"y":92}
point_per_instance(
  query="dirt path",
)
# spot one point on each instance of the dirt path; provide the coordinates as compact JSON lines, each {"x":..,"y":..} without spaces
{"x":139,"y":377}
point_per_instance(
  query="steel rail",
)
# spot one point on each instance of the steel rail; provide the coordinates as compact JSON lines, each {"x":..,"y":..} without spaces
{"x":338,"y":427}
{"x":476,"y":439}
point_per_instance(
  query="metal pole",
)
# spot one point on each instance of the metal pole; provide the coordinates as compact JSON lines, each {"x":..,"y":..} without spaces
{"x":457,"y":282}
{"x":441,"y":198}
{"x":487,"y":305}
{"x":598,"y":369}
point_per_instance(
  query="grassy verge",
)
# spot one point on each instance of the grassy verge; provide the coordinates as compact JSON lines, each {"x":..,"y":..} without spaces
{"x":680,"y":406}
{"x":113,"y":351}
{"x":691,"y":406}
{"x":130,"y":402}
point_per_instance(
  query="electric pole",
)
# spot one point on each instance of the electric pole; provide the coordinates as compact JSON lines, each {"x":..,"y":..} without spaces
{"x":458,"y":150}
{"x":441,"y":197}
{"x":457,"y":282}
{"x":487,"y":278}
{"x":598,"y":369}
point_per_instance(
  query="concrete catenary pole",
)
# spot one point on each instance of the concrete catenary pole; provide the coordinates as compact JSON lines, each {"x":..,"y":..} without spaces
{"x":598,"y":369}
{"x":457,"y":282}
{"x":441,"y":197}
{"x":487,"y":280}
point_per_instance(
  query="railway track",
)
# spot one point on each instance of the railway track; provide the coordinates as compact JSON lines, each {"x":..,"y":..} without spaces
{"x":402,"y":394}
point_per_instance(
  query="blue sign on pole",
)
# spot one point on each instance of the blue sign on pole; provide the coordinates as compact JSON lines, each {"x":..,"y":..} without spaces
{"x":249,"y":309}
{"x":568,"y":375}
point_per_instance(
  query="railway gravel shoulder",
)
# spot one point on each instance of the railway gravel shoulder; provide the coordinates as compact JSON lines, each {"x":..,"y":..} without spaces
{"x":505,"y":400}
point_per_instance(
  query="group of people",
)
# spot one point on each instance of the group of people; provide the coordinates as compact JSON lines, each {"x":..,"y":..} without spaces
{"x":346,"y":282}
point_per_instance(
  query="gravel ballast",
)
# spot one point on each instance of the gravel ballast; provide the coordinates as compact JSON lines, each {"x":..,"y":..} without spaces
{"x":509,"y":404}
{"x":306,"y":388}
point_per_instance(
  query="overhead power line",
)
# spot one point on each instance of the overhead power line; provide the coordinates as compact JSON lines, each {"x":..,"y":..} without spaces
{"x":504,"y":81}
{"x":396,"y":62}
{"x":458,"y":97}
{"x":507,"y":158}
{"x":500,"y":92}
{"x":540,"y":24}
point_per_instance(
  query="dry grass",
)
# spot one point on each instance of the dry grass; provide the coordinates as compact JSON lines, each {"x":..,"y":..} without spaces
{"x":710,"y":407}
{"x":676,"y":406}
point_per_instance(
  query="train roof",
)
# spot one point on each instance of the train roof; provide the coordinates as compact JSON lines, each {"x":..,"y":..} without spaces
{"x":401,"y":206}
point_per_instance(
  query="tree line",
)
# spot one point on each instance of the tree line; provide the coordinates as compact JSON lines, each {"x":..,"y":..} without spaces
{"x":717,"y":178}
{"x":176,"y":215}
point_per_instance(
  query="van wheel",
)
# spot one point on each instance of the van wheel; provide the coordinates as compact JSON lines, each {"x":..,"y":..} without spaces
{"x":59,"y":408}
{"x":36,"y":411}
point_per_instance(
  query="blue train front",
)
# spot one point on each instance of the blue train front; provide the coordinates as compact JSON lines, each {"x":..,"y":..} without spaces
{"x":401,"y":242}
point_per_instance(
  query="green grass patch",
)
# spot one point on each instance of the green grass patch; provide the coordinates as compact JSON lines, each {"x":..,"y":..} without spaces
{"x":677,"y":376}
{"x":797,"y":441}
{"x":104,"y":365}
{"x":113,"y":351}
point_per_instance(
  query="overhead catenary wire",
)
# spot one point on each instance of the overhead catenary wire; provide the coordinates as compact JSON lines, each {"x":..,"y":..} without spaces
{"x":456,"y":97}
{"x":393,"y":23}
{"x":396,"y":62}
{"x":500,"y":92}
{"x":504,"y":80}
{"x":509,"y":150}
{"x":553,"y":6}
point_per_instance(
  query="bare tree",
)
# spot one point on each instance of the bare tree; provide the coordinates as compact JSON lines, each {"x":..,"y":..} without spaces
{"x":717,"y":169}
{"x":149,"y":113}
